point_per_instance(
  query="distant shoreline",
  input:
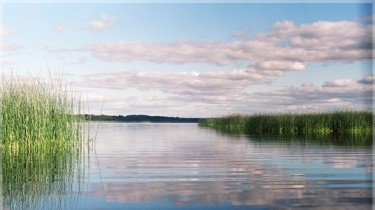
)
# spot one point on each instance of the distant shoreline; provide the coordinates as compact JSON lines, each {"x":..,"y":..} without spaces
{"x":140,"y":119}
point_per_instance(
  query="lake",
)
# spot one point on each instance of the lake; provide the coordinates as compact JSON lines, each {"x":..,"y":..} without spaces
{"x":183,"y":166}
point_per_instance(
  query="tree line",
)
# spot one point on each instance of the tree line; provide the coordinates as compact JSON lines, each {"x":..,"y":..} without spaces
{"x":140,"y":118}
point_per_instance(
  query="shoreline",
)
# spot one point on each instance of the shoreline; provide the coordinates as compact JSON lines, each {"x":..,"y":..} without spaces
{"x":340,"y":126}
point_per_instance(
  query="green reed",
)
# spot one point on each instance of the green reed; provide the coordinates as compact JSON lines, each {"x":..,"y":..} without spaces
{"x":338,"y":125}
{"x":35,"y":111}
{"x":41,"y":133}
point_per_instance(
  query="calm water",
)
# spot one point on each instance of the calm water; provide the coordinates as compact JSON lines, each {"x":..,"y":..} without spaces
{"x":182,"y":166}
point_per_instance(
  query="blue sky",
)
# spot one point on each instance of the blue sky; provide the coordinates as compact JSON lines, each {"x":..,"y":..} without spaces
{"x":197,"y":60}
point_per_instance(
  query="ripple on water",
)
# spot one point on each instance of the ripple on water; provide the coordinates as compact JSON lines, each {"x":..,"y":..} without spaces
{"x":175,"y":166}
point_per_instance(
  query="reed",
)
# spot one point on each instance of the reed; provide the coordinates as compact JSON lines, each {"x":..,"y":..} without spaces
{"x":41,"y":133}
{"x":335,"y":125}
{"x":35,"y":111}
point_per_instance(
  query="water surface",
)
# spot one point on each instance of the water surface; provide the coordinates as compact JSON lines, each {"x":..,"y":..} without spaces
{"x":183,"y":166}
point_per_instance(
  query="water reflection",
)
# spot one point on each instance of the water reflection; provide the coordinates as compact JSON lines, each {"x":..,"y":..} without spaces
{"x":42,"y":177}
{"x":173,"y":166}
{"x":339,"y":140}
{"x":183,"y":194}
{"x":185,"y":166}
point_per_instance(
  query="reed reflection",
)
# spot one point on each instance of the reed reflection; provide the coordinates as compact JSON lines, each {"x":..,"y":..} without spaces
{"x":44,"y":177}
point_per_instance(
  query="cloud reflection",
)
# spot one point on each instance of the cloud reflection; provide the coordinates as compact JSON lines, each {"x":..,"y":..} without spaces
{"x":213,"y":169}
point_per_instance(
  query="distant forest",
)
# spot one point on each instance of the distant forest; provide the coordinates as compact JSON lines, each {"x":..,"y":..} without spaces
{"x":141,"y":118}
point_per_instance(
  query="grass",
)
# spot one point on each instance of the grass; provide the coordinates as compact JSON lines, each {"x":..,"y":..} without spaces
{"x":340,"y":125}
{"x":35,"y":112}
{"x":41,"y":137}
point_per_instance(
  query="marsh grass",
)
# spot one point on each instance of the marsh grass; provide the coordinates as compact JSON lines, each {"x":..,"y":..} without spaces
{"x":41,"y":133}
{"x":35,"y":111}
{"x":340,"y":127}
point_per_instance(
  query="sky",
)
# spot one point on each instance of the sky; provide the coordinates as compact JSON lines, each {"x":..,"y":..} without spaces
{"x":197,"y":60}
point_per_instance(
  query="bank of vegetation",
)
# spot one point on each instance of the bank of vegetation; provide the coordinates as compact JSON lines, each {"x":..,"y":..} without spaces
{"x":41,"y":135}
{"x":36,"y":112}
{"x":339,"y":124}
{"x":140,"y":118}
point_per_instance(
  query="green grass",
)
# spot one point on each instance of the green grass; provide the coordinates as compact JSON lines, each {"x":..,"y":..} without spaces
{"x":41,"y":133}
{"x":344,"y":125}
{"x":35,"y":111}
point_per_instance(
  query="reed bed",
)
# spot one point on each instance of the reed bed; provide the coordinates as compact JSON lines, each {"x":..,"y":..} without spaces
{"x":41,"y":133}
{"x":35,"y":112}
{"x":340,"y":125}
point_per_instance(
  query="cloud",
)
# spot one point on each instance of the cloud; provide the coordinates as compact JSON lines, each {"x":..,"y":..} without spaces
{"x":4,"y":30}
{"x":286,"y":47}
{"x":332,"y":95}
{"x":104,"y":23}
{"x":219,"y":93}
{"x":80,"y":61}
{"x":7,"y":47}
{"x":369,"y":19}
{"x":340,"y":83}
{"x":281,"y":65}
{"x":368,"y":80}
{"x":206,"y":84}
{"x":59,"y":28}
{"x":178,"y":52}
{"x":341,"y":39}
{"x":177,"y":94}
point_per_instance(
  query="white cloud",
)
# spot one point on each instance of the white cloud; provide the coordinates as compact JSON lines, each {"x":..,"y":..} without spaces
{"x":177,"y":94}
{"x":7,"y":47}
{"x":281,"y":65}
{"x":334,"y":100}
{"x":340,"y":83}
{"x":218,"y":93}
{"x":335,"y":94}
{"x":286,"y":47}
{"x":178,"y":52}
{"x":59,"y":28}
{"x":207,"y":84}
{"x":80,"y":61}
{"x":342,"y":40}
{"x":4,"y":30}
{"x":104,"y":23}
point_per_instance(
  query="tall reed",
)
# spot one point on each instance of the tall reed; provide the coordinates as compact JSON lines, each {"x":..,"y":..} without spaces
{"x":35,"y":111}
{"x":41,"y":137}
{"x":332,"y":124}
